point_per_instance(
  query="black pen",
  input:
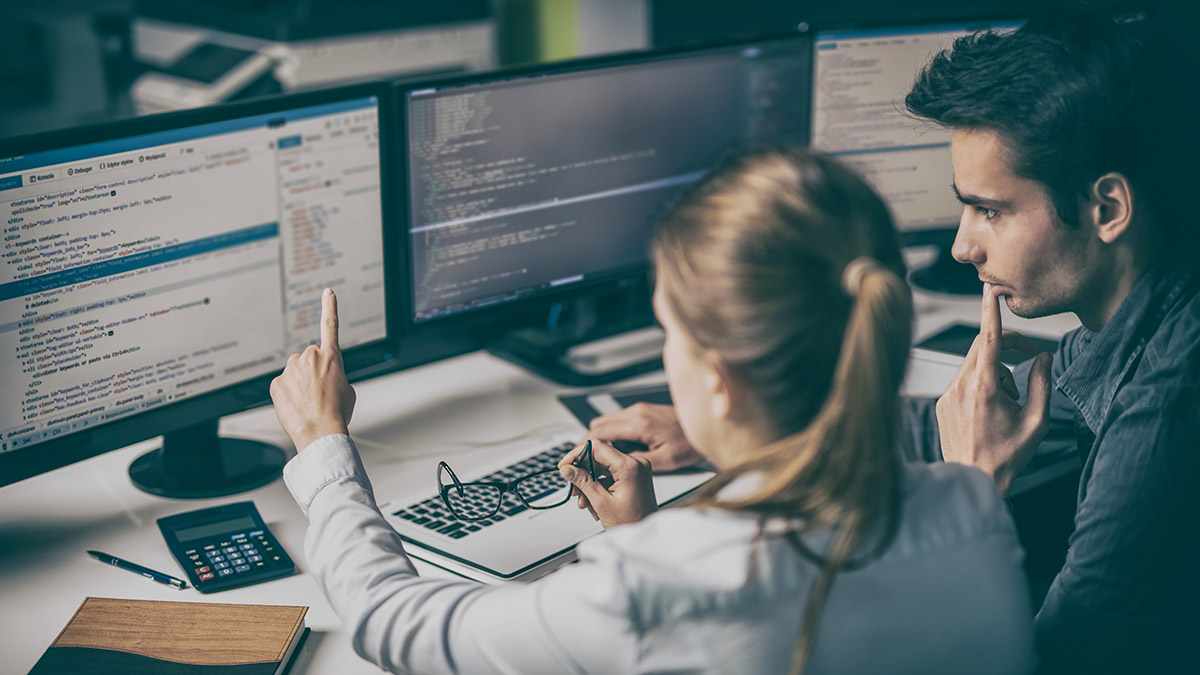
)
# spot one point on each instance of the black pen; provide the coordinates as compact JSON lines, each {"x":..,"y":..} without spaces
{"x":138,"y":569}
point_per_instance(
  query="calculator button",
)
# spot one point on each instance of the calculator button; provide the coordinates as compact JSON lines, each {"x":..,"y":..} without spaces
{"x":250,"y":551}
{"x":209,"y":547}
{"x":242,"y":568}
{"x":227,"y":543}
{"x":231,"y":550}
{"x":194,"y":558}
{"x":190,"y":551}
{"x":225,"y":572}
{"x":216,"y":558}
{"x":254,"y":558}
{"x":246,"y":546}
{"x":206,"y":576}
{"x":220,"y":565}
{"x":256,"y":533}
{"x":203,"y":570}
{"x":237,"y":561}
{"x":259,"y":565}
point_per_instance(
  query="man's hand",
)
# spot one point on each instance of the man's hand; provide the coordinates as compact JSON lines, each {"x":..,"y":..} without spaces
{"x":312,"y":397}
{"x":657,"y":427}
{"x":630,"y":496}
{"x":980,"y":420}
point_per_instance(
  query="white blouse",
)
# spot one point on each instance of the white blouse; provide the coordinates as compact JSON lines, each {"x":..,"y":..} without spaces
{"x":676,"y":593}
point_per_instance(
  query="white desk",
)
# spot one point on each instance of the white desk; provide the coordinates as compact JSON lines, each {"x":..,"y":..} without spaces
{"x":416,"y":417}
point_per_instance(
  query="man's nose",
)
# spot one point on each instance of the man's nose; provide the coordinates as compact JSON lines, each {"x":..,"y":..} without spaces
{"x":967,"y":248}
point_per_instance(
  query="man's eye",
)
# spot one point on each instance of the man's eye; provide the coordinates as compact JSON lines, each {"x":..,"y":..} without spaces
{"x":988,"y":214}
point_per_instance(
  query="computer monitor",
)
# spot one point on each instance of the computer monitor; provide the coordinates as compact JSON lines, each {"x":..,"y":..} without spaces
{"x":860,"y":78}
{"x":156,"y":273}
{"x":542,"y":184}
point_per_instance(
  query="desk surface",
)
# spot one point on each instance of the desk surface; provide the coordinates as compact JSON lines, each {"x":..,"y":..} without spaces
{"x":404,"y":423}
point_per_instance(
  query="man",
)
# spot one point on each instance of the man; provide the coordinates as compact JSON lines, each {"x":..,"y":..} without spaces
{"x":1072,"y":148}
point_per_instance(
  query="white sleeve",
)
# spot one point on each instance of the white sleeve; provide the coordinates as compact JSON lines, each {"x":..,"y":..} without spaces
{"x":574,"y":620}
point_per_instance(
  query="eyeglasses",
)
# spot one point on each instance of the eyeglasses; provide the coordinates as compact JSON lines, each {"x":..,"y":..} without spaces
{"x":544,"y":489}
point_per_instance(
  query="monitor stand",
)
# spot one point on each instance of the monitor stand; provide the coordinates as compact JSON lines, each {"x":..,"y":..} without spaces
{"x":196,"y":463}
{"x":597,"y":343}
{"x":947,"y":275}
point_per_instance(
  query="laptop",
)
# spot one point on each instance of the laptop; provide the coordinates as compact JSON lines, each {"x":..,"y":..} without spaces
{"x":518,"y":543}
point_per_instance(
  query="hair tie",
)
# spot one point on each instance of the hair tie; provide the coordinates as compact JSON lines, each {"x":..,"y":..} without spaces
{"x":854,"y":272}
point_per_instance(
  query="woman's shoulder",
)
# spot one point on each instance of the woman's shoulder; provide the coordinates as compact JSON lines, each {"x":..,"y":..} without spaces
{"x":944,"y":505}
{"x":675,"y":535}
{"x":949,"y":505}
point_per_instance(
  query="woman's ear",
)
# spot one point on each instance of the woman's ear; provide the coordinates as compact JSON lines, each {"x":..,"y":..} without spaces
{"x":720,"y":386}
{"x":1110,"y":207}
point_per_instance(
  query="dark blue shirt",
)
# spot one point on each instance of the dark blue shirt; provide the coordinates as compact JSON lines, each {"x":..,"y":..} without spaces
{"x":1126,"y":400}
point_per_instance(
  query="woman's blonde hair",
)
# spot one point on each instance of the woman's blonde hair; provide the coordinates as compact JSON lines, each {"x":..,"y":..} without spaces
{"x":786,"y":266}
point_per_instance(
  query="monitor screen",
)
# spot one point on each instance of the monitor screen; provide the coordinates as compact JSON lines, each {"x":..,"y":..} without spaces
{"x":527,"y":184}
{"x":148,"y":269}
{"x":860,"y":79}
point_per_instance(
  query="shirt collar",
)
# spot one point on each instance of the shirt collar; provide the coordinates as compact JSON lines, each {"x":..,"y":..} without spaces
{"x":1105,"y":357}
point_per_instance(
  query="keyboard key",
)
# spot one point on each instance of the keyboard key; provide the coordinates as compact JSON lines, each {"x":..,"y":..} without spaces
{"x":458,"y":535}
{"x":450,"y":528}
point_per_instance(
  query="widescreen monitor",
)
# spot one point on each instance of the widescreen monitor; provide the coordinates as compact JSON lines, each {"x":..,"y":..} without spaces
{"x":545,"y":182}
{"x":155,"y":275}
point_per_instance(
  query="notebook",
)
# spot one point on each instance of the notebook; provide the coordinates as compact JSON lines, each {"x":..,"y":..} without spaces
{"x":131,"y":637}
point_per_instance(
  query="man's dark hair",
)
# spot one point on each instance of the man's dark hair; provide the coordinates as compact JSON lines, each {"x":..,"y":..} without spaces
{"x":1075,"y":94}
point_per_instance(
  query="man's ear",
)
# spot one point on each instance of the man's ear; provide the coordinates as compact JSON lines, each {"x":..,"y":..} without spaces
{"x":1110,"y":207}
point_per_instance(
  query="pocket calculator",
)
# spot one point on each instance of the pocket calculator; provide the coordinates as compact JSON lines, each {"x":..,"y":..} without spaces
{"x":225,"y":547}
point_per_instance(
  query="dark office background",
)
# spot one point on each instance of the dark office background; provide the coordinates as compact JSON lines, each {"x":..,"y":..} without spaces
{"x":66,"y":63}
{"x":69,"y":62}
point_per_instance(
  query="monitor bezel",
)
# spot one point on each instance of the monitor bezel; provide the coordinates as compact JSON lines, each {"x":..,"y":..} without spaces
{"x":32,"y":460}
{"x":494,"y":319}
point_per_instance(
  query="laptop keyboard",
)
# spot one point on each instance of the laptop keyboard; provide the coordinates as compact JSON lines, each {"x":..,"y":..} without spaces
{"x":432,"y":513}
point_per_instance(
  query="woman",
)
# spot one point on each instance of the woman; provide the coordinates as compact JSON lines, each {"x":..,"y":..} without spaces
{"x":814,"y":549}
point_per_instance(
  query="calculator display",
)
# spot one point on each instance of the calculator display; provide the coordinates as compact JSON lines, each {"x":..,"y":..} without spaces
{"x":220,"y":527}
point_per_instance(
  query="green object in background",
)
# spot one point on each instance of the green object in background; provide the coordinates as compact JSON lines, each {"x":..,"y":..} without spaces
{"x":537,"y":30}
